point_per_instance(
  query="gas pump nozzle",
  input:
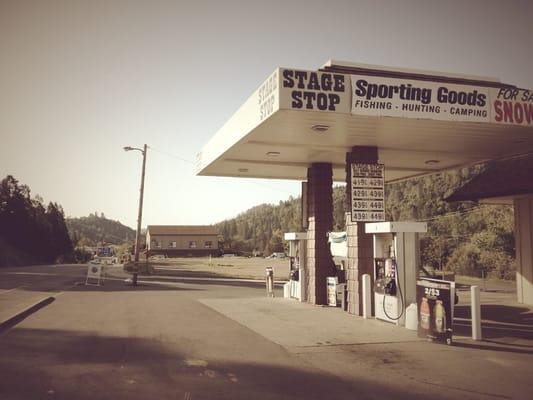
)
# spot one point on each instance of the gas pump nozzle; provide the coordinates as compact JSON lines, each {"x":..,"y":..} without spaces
{"x":390,"y":287}
{"x":390,"y":273}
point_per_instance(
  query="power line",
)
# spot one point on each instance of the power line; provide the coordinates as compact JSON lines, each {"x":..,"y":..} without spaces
{"x":191,"y":162}
{"x":172,"y":155}
{"x":452,"y":213}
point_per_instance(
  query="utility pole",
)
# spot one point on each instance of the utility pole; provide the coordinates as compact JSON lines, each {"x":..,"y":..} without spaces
{"x":139,"y":215}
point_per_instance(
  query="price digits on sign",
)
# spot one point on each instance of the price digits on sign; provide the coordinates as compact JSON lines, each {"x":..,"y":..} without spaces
{"x":368,"y":216}
{"x":367,"y":205}
{"x":367,"y":182}
{"x":368,"y":193}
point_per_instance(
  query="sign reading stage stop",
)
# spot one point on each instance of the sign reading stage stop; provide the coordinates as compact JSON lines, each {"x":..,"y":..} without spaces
{"x":368,"y":192}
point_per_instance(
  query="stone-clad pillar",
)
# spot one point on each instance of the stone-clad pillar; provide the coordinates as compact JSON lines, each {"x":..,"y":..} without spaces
{"x":320,"y":221}
{"x":523,"y":216}
{"x":360,"y":255}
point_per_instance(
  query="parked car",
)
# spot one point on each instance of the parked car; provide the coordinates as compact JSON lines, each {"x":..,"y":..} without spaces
{"x":277,"y":255}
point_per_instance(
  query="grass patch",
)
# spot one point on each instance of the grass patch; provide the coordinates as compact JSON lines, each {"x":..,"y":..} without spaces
{"x":141,"y":268}
{"x":12,"y":257}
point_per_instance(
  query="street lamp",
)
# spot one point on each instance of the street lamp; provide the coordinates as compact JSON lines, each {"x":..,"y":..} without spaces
{"x":140,"y":215}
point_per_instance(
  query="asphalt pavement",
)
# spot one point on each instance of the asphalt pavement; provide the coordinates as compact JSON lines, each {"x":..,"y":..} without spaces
{"x":212,"y":339}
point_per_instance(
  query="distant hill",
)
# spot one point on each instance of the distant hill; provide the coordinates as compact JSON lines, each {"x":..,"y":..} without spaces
{"x":88,"y":231}
{"x":261,"y":228}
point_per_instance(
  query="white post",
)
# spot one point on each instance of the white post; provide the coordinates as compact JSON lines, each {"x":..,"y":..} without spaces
{"x":302,"y":246}
{"x":367,"y":297}
{"x":476,"y":313}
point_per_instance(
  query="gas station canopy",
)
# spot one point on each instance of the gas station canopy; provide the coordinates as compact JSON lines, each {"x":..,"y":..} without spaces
{"x":421,"y":122}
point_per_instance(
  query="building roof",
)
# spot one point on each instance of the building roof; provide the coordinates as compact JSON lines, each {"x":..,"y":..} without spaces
{"x":182,"y":230}
{"x":506,"y":178}
{"x":297,"y":118}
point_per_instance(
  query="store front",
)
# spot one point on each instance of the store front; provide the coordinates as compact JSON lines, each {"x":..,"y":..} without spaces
{"x":321,"y":126}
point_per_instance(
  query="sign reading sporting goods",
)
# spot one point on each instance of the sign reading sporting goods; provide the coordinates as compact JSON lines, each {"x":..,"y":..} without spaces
{"x":378,"y":96}
{"x":391,"y":97}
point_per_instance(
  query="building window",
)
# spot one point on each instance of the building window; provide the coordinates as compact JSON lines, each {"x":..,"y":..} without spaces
{"x":158,"y":244}
{"x":192,"y":244}
{"x":208,"y":244}
{"x":172,"y":245}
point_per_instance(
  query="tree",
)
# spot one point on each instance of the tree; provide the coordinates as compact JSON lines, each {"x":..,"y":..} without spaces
{"x":60,"y":239}
{"x":462,"y":236}
{"x":35,"y":233}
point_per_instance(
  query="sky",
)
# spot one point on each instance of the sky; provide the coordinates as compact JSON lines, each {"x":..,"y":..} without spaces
{"x":79,"y":80}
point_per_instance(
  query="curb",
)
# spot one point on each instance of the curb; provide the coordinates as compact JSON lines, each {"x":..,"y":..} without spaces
{"x":178,"y":279}
{"x":21,"y":315}
{"x":173,"y":282}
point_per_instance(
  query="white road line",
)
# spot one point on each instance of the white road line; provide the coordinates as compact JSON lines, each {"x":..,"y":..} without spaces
{"x":31,"y":273}
{"x":4,"y":291}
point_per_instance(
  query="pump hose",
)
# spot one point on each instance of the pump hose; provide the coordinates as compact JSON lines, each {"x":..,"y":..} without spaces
{"x":401,"y":297}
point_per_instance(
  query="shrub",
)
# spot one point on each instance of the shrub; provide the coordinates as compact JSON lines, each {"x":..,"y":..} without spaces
{"x":142,"y":268}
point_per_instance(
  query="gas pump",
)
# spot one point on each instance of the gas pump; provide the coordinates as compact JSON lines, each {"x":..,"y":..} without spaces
{"x":296,"y":286}
{"x":396,"y":257}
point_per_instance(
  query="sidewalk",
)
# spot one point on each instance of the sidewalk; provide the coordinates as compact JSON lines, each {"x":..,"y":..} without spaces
{"x":352,"y":347}
{"x":299,"y":326}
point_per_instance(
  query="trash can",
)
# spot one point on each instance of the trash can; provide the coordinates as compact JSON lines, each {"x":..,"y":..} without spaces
{"x":287,"y":290}
{"x":331,"y":290}
{"x":411,"y":317}
{"x":341,"y":295}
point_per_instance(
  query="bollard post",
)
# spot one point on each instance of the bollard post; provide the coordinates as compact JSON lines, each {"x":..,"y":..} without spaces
{"x":476,"y":313}
{"x":269,"y":272}
{"x":367,"y":297}
{"x":303,"y":287}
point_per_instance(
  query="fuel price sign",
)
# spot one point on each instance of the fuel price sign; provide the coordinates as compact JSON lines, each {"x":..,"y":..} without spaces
{"x":368,"y":192}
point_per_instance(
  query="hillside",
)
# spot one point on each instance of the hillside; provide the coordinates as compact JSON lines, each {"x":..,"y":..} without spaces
{"x":464,"y":237}
{"x":88,"y":231}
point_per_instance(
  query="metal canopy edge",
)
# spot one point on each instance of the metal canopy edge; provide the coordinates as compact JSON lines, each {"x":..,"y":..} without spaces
{"x":296,"y":118}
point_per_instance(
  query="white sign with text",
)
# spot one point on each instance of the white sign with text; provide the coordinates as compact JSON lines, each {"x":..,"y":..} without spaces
{"x":368,"y":192}
{"x":392,"y":97}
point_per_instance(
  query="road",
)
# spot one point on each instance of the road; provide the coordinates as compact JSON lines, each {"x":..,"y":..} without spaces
{"x":22,"y":287}
{"x":225,"y":340}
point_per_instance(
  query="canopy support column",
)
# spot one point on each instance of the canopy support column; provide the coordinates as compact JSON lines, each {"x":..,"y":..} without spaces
{"x":320,"y":222}
{"x":523,"y":215}
{"x":360,"y":252}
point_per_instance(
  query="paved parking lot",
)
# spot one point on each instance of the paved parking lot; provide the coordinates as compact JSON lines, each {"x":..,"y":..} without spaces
{"x":212,"y":339}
